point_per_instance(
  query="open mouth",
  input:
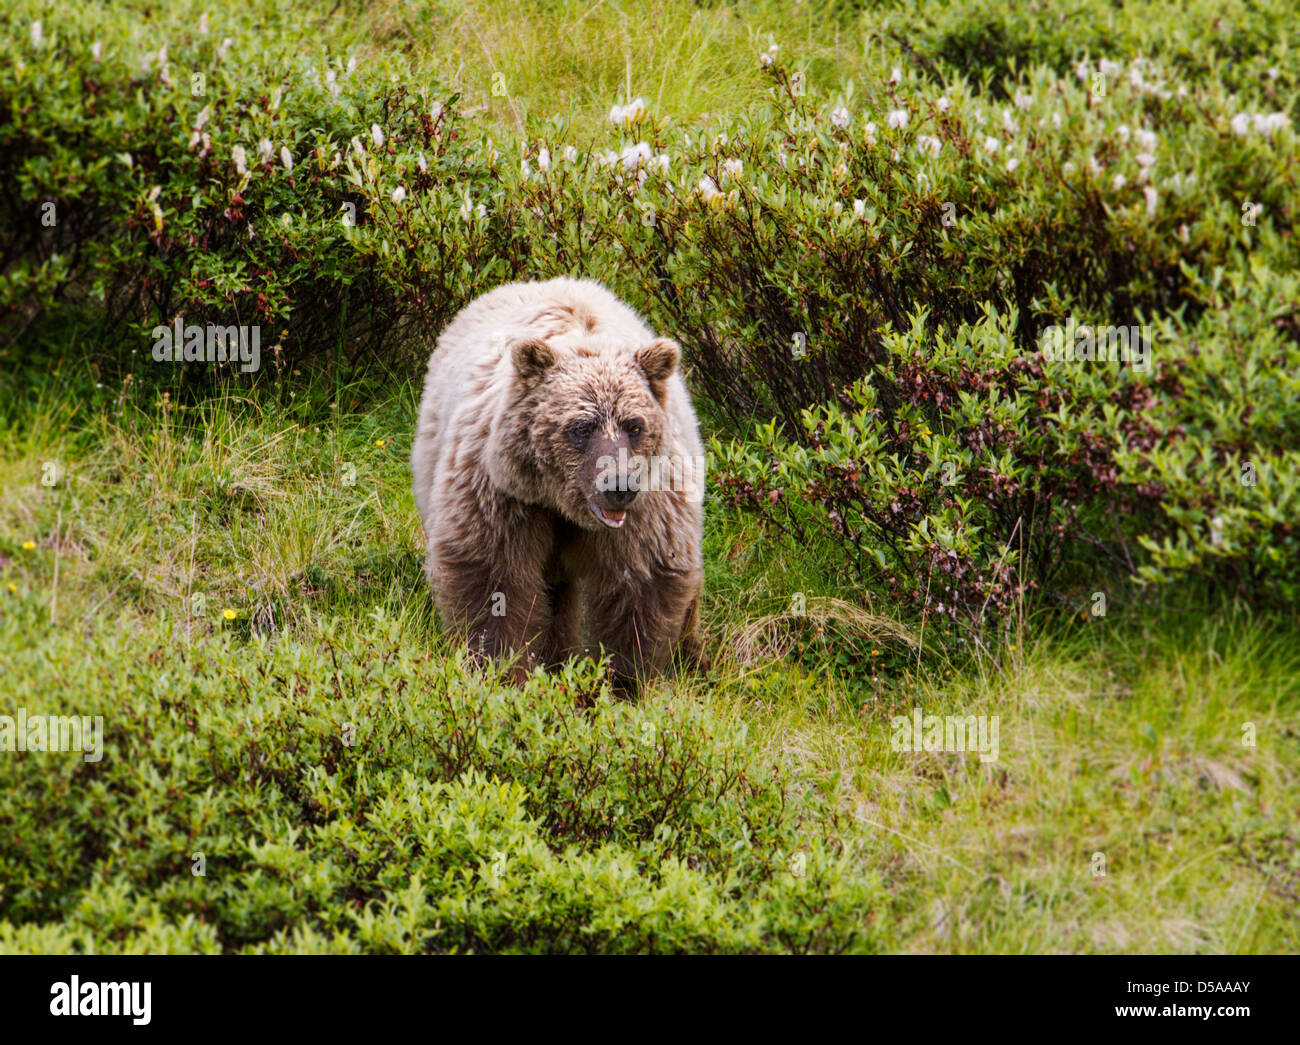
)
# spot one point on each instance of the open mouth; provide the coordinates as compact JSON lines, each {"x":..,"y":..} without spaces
{"x":611,"y":519}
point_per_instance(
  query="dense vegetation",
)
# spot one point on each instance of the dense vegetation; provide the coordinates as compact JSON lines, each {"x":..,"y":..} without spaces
{"x":865,"y":224}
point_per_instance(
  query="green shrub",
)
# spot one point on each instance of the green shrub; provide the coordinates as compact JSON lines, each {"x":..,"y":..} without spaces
{"x":355,"y":794}
{"x":181,"y":172}
{"x":874,"y":269}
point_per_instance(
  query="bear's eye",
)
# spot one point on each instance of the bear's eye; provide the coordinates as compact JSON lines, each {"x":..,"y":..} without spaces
{"x":579,"y":431}
{"x":634,"y":427}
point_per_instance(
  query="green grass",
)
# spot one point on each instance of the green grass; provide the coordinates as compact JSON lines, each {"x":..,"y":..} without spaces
{"x":1120,"y":736}
{"x":233,"y":580}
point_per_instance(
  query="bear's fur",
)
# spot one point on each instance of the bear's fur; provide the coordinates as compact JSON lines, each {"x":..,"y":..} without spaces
{"x":533,"y":392}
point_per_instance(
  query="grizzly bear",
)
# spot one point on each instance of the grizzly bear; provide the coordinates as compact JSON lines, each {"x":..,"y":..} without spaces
{"x":558,"y":473}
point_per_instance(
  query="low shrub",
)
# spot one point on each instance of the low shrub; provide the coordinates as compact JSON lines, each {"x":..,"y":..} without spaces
{"x":351,"y":793}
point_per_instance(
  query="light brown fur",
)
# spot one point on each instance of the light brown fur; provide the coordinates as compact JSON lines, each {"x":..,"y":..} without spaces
{"x":530,"y":387}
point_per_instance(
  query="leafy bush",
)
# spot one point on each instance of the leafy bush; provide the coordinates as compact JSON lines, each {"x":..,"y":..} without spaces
{"x":1217,"y":450}
{"x":880,"y":278}
{"x":356,"y":796}
{"x":874,"y":269}
{"x":191,"y":174}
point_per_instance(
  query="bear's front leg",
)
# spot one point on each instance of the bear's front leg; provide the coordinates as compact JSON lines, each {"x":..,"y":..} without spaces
{"x":640,"y":624}
{"x":499,"y":617}
{"x":492,"y":590}
{"x":562,"y":638}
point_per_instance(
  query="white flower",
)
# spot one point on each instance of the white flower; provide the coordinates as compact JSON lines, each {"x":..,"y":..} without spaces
{"x":1118,"y":182}
{"x":1056,"y":120}
{"x":1082,"y":70}
{"x":1109,"y":68}
{"x":860,"y":209}
{"x":895,"y":75}
{"x":840,"y":117}
{"x":628,"y":115}
{"x":708,"y":189}
{"x":661,"y":161}
{"x":286,"y":158}
{"x":1012,"y":164}
{"x":732,"y":169}
{"x":420,"y":162}
{"x":634,"y":155}
{"x":204,"y":115}
{"x":544,"y":160}
{"x":266,"y":149}
{"x":224,"y":47}
{"x":37,"y":34}
{"x":165,"y":76}
{"x":943,"y":105}
{"x":1149,"y":194}
{"x":1145,"y":160}
{"x":991,"y":145}
{"x":524,"y":169}
{"x":1008,"y":124}
{"x":1241,"y":124}
{"x":869,"y":134}
{"x":376,"y":135}
{"x":607,"y":158}
{"x":241,"y":159}
{"x":1270,"y":124}
{"x":358,"y":148}
{"x":470,"y":210}
{"x":399,"y":194}
{"x":352,"y":66}
{"x":1022,"y":101}
{"x":97,"y":50}
{"x":897,"y":118}
{"x":1146,"y":139}
{"x":203,"y":23}
{"x":928,"y":143}
{"x":1122,"y":132}
{"x":569,"y":154}
{"x":767,"y":58}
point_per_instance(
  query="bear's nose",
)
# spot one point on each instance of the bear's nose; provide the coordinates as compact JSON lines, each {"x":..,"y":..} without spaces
{"x":620,"y":499}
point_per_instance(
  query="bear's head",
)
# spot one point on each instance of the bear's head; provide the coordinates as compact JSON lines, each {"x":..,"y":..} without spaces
{"x":593,"y":417}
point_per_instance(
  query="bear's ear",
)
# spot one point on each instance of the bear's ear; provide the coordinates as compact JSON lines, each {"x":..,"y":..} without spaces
{"x":657,"y":361}
{"x":532,"y":357}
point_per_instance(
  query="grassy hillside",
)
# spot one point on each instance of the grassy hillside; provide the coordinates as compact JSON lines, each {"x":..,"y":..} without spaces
{"x":227,"y":571}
